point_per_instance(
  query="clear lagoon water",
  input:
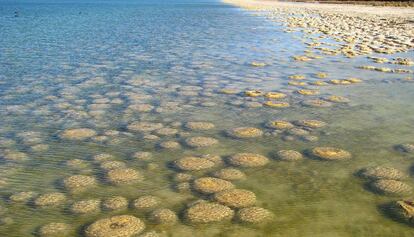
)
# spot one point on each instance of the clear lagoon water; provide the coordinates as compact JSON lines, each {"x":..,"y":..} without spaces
{"x":104,"y":65}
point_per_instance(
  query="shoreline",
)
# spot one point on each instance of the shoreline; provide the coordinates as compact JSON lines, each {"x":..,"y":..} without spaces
{"x":344,"y":8}
{"x":360,"y":29}
{"x":362,"y":2}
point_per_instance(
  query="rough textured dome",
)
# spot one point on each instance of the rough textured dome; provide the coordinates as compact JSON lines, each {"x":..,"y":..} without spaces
{"x":54,"y":229}
{"x":310,"y":123}
{"x":245,"y":132}
{"x":123,"y":176}
{"x":210,"y":185}
{"x":248,"y":160}
{"x":199,"y":125}
{"x":289,"y":155}
{"x":77,"y":182}
{"x":279,"y":124}
{"x":235,"y":198}
{"x":116,"y":226}
{"x":144,"y":126}
{"x":331,"y":153}
{"x":86,"y":206}
{"x":229,"y":174}
{"x":254,"y":215}
{"x":406,"y":147}
{"x":390,"y":187}
{"x":163,"y":216}
{"x":193,"y":163}
{"x":115,"y":203}
{"x":379,"y":172}
{"x":208,"y":212}
{"x":146,"y":202}
{"x":197,"y":142}
{"x":50,"y":199}
{"x":78,"y":133}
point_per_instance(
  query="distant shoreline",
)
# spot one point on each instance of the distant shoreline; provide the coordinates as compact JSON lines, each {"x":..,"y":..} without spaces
{"x":354,"y":9}
{"x":362,"y":30}
{"x":363,"y":2}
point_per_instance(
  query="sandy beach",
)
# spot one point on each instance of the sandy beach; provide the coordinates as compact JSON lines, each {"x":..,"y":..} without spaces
{"x":402,"y":12}
{"x":362,"y":29}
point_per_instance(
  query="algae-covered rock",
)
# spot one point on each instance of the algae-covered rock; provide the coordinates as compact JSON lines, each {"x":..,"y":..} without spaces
{"x":86,"y":206}
{"x":235,"y":198}
{"x":191,"y":163}
{"x":390,"y":187}
{"x":199,"y":126}
{"x":331,"y":153}
{"x":54,"y":229}
{"x":123,"y":176}
{"x":229,"y":174}
{"x":163,"y":216}
{"x":146,"y":202}
{"x":245,"y":132}
{"x":116,"y":226}
{"x":115,"y":203}
{"x":381,"y":172}
{"x":289,"y":155}
{"x":248,"y":160}
{"x":204,"y":212}
{"x":254,"y":215}
{"x":208,"y":185}
{"x":198,"y":142}
{"x":78,"y":133}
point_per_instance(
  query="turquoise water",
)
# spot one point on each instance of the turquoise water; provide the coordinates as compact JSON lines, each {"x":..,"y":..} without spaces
{"x":88,"y":64}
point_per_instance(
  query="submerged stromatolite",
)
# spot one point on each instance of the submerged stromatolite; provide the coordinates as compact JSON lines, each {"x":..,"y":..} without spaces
{"x":115,"y":226}
{"x":208,"y":212}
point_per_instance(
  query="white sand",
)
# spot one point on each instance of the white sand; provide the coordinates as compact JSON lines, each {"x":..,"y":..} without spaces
{"x":406,"y":12}
{"x":362,"y":29}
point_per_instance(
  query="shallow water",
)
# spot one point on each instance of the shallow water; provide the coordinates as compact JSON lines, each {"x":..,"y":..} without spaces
{"x":77,"y":64}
